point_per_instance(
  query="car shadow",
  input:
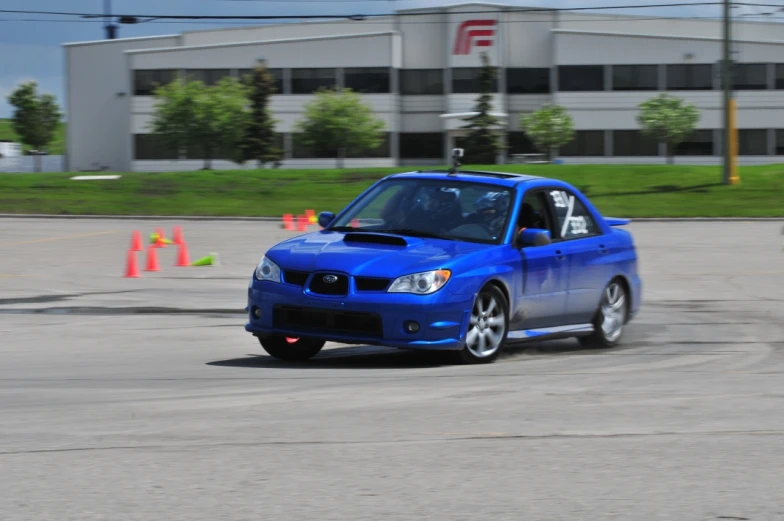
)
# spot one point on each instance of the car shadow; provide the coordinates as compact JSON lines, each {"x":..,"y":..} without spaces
{"x":372,"y":357}
{"x":353,"y":357}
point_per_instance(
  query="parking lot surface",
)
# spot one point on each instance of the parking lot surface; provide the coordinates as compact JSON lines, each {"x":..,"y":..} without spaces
{"x":145,"y":399}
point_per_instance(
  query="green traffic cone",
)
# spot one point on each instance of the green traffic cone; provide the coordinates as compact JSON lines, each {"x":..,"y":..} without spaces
{"x":210,"y":260}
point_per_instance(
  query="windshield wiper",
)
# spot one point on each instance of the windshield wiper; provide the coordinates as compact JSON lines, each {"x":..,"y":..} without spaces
{"x":417,"y":233}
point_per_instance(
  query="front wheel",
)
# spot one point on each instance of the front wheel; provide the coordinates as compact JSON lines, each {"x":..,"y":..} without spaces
{"x":610,"y":317}
{"x":292,"y":349}
{"x":487,"y":327}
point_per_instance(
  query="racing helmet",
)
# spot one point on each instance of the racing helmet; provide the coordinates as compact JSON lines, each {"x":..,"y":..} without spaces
{"x":491,"y":206}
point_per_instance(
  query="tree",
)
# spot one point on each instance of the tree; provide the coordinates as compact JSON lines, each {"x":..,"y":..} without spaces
{"x":549,"y":127}
{"x":337,"y":121}
{"x":35,"y":119}
{"x":260,"y":141}
{"x":481,"y":143}
{"x":210,"y":119}
{"x":668,"y":119}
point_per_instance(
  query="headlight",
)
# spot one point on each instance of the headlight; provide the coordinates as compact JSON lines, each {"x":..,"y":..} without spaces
{"x":267,"y":270}
{"x":421,"y":283}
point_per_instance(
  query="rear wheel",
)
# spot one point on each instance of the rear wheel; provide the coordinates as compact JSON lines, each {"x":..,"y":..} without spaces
{"x":291,"y":349}
{"x":610,"y":317}
{"x":487,"y":328}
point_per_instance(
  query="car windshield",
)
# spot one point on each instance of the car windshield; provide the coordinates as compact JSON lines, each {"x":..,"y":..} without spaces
{"x":446,"y":209}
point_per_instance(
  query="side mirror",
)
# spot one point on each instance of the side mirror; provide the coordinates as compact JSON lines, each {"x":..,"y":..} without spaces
{"x":534,"y":237}
{"x":325,"y":218}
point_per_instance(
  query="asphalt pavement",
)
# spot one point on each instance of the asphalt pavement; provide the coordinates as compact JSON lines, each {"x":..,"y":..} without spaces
{"x":145,"y":399}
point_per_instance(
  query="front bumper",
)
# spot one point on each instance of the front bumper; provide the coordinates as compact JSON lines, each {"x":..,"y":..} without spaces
{"x":371,"y":318}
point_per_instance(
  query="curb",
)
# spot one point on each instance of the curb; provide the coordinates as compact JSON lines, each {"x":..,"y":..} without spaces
{"x":279,"y":219}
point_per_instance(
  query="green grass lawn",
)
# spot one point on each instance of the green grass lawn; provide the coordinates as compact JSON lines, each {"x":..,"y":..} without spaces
{"x":617,"y":190}
{"x":56,"y":148}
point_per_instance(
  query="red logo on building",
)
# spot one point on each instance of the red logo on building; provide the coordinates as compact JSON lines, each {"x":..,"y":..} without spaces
{"x":478,"y":33}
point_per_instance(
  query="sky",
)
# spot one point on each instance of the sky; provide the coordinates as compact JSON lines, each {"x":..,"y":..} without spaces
{"x":31,"y":45}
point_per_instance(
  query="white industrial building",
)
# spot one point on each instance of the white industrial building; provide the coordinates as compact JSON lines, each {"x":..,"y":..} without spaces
{"x":417,"y":70}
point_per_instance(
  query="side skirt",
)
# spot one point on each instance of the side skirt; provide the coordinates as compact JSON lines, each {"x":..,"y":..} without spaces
{"x":549,"y":333}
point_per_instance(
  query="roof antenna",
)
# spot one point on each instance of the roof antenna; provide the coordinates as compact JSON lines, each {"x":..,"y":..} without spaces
{"x":457,"y":153}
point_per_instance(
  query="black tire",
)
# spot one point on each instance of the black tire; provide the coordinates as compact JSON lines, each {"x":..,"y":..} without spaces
{"x":486,"y":327}
{"x":613,"y":307}
{"x":298,"y":350}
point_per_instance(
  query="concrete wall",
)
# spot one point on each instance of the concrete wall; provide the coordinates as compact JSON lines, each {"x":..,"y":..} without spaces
{"x":369,"y":50}
{"x":98,"y":99}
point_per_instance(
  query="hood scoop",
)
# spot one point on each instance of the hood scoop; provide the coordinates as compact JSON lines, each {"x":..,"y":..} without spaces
{"x":374,"y":238}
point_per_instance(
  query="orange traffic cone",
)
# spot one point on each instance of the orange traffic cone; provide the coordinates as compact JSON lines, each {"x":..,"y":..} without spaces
{"x":288,"y":221}
{"x":302,"y":223}
{"x":182,"y":255}
{"x":131,"y":266}
{"x":355,"y":223}
{"x":136,"y":241}
{"x":152,"y":259}
{"x":178,"y":235}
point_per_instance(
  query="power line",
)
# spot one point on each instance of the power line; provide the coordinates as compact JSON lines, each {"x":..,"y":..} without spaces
{"x":761,"y":16}
{"x":374,"y":15}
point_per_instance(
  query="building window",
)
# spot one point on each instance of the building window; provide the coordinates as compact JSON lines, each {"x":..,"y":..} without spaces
{"x":586,"y":143}
{"x":308,"y":81}
{"x":750,"y":76}
{"x":207,"y":76}
{"x":635,"y":77}
{"x":370,"y":80}
{"x":528,"y":81}
{"x":149,"y":147}
{"x":690,"y":77}
{"x":700,"y":143}
{"x":277,"y":78}
{"x":633,"y":143}
{"x":420,"y":82}
{"x":145,"y":82}
{"x":381,"y":151}
{"x":422,"y":145}
{"x":465,"y":80}
{"x":780,"y":142}
{"x":753,"y":142}
{"x":519,"y":143}
{"x":580,"y":78}
{"x":780,"y":75}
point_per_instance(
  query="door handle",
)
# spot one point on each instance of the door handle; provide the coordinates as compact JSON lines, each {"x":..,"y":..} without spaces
{"x":602,"y":249}
{"x":559,"y":255}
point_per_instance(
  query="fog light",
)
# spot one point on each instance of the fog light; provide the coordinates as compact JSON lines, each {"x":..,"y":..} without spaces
{"x":411,"y":327}
{"x":256,"y":312}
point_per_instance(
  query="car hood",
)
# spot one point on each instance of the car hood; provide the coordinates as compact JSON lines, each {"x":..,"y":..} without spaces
{"x":372,"y":255}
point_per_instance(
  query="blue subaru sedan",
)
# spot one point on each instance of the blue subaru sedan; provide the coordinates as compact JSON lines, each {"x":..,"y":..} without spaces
{"x":460,"y":261}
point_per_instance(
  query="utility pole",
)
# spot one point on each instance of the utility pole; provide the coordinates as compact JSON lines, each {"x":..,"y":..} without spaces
{"x":730,"y":175}
{"x":111,"y":29}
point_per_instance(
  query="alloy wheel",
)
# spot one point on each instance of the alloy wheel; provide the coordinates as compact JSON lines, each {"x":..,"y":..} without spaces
{"x":486,"y":327}
{"x":613,"y":311}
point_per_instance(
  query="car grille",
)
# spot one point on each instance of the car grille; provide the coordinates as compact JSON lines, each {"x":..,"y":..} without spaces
{"x":371,"y":283}
{"x":320,"y":286}
{"x":327,"y":321}
{"x":298,"y":278}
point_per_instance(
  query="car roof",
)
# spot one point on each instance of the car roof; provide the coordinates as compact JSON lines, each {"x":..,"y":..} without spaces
{"x":479,"y":176}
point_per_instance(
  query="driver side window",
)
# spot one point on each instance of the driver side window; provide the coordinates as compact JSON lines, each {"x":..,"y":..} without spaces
{"x":534,"y":213}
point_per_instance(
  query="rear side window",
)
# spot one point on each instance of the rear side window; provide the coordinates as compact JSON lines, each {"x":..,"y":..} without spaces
{"x":572,"y":219}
